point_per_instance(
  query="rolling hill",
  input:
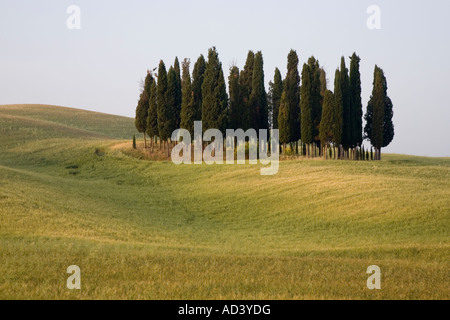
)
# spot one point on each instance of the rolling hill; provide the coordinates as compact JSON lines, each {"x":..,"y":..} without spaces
{"x":153,"y":230}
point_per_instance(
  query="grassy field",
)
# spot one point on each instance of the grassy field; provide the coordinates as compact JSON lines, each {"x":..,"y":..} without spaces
{"x":152,"y":230}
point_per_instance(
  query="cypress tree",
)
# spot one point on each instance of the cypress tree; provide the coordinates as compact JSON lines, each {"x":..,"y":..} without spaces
{"x":178,"y":94}
{"x":236,"y":102}
{"x":197,"y":81}
{"x":375,"y":112}
{"x":316,"y":98}
{"x":323,"y":82}
{"x":258,"y":96}
{"x":215,"y":99}
{"x":171,"y":100}
{"x":276,"y":96}
{"x":355,"y":93}
{"x":142,"y":108}
{"x":245,"y":80}
{"x":134,"y":141}
{"x":327,"y":121}
{"x":347,"y":128}
{"x":338,"y":111}
{"x":307,"y":130}
{"x":292,"y":90}
{"x":388,"y":125}
{"x":283,"y":121}
{"x":141,"y":114}
{"x":152,"y":118}
{"x":187,"y":107}
{"x":163,"y":110}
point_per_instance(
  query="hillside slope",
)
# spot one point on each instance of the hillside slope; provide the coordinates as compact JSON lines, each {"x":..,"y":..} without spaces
{"x":153,"y":230}
{"x":71,"y":121}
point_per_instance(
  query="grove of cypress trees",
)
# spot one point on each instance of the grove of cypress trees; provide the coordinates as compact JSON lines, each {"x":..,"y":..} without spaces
{"x":187,"y":108}
{"x":215,"y":99}
{"x":276,"y":96}
{"x":197,"y":81}
{"x":258,"y":95}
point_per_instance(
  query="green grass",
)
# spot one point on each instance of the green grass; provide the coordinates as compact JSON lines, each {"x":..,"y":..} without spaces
{"x":153,"y":230}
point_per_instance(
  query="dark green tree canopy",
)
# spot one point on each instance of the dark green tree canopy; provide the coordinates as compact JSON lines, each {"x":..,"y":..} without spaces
{"x":327,"y":121}
{"x":236,"y":104}
{"x":307,"y":130}
{"x":379,"y":128}
{"x":283,"y":120}
{"x":152,"y":118}
{"x":375,"y":110}
{"x":388,"y":125}
{"x":258,"y":96}
{"x":316,"y":98}
{"x":246,"y":81}
{"x":163,"y":109}
{"x":215,"y":99}
{"x":187,"y":108}
{"x":347,"y":128}
{"x":339,"y":109}
{"x":276,"y":96}
{"x":292,"y":90}
{"x":197,"y":82}
{"x":355,"y":96}
{"x":172,"y":100}
{"x":178,"y":93}
{"x":143,"y":104}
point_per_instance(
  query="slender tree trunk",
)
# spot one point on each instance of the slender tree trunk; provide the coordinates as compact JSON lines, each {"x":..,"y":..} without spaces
{"x":168,"y":148}
{"x":145,"y":141}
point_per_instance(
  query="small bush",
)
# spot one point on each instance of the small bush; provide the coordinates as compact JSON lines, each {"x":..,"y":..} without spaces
{"x":99,"y":152}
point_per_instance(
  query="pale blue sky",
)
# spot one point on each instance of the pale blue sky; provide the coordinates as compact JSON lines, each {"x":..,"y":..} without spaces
{"x":98,"y":67}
